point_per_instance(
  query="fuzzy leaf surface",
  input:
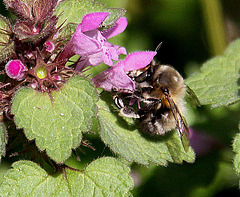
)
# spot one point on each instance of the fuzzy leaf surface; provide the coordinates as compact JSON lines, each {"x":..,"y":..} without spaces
{"x":4,"y":28}
{"x":30,"y":10}
{"x":72,"y":11}
{"x":6,"y":47}
{"x":67,"y":31}
{"x":21,"y":8}
{"x":56,"y":124}
{"x":3,"y":140}
{"x":125,"y":139}
{"x":103,"y":177}
{"x":217,"y":82}
{"x":236,"y":149}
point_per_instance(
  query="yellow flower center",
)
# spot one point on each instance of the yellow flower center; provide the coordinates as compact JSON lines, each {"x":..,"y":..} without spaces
{"x":41,"y":72}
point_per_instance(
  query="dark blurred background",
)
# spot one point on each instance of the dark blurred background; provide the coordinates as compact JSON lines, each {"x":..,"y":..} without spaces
{"x":187,"y":28}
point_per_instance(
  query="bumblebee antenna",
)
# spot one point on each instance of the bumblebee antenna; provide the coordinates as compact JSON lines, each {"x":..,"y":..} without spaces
{"x":158,"y":47}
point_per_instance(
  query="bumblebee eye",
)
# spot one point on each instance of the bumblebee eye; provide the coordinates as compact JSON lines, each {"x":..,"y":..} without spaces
{"x":144,"y":76}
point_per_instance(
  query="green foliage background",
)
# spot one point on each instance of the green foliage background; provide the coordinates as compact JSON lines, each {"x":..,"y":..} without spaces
{"x":185,"y":31}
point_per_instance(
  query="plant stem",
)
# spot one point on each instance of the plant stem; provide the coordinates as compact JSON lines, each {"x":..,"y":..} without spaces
{"x":214,"y":22}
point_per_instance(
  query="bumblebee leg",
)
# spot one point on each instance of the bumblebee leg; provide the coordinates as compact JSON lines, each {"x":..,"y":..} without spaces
{"x":125,"y":110}
{"x":118,"y":102}
{"x":129,"y":112}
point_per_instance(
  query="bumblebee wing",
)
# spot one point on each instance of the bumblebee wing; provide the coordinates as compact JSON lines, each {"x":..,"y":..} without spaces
{"x":181,"y":123}
{"x":192,"y":98}
{"x":185,"y":142}
{"x":184,"y":133}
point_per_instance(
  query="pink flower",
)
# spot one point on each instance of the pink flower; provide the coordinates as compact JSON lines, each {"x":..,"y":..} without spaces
{"x":15,"y":69}
{"x":91,"y":44}
{"x":116,"y":77}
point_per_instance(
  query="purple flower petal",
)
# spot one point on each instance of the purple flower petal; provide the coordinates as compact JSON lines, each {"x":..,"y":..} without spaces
{"x":83,"y":44}
{"x":120,"y":50}
{"x":114,"y":53}
{"x":93,"y":20}
{"x":83,"y":63}
{"x":80,"y":44}
{"x":119,"y":27}
{"x":91,"y":45}
{"x":109,"y":53}
{"x":114,"y":78}
{"x":89,"y":60}
{"x":138,"y":60}
{"x":107,"y":56}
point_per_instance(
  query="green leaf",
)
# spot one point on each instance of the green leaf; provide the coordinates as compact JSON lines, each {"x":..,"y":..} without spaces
{"x":28,"y":179}
{"x":6,"y":46}
{"x":4,"y":167}
{"x":217,"y":83}
{"x":3,"y":139}
{"x":103,"y":177}
{"x":236,"y":149}
{"x":123,"y":137}
{"x":56,"y":124}
{"x":65,"y":33}
{"x":4,"y":28}
{"x":72,"y":11}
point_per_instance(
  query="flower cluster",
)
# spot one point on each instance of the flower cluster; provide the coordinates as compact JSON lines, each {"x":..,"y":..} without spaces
{"x":35,"y":52}
{"x":91,"y":44}
{"x":93,"y":48}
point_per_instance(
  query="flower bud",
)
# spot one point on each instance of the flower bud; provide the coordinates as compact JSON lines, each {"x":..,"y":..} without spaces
{"x":57,"y":77}
{"x":15,"y":69}
{"x":49,"y":46}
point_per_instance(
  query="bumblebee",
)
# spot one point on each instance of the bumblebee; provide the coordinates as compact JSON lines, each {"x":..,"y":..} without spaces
{"x":159,"y":95}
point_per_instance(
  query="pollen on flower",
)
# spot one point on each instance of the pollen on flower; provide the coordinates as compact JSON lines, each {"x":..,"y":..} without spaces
{"x":15,"y":69}
{"x":41,"y":72}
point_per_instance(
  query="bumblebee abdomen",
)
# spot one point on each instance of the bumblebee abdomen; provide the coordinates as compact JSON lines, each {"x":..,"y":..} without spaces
{"x":157,"y":124}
